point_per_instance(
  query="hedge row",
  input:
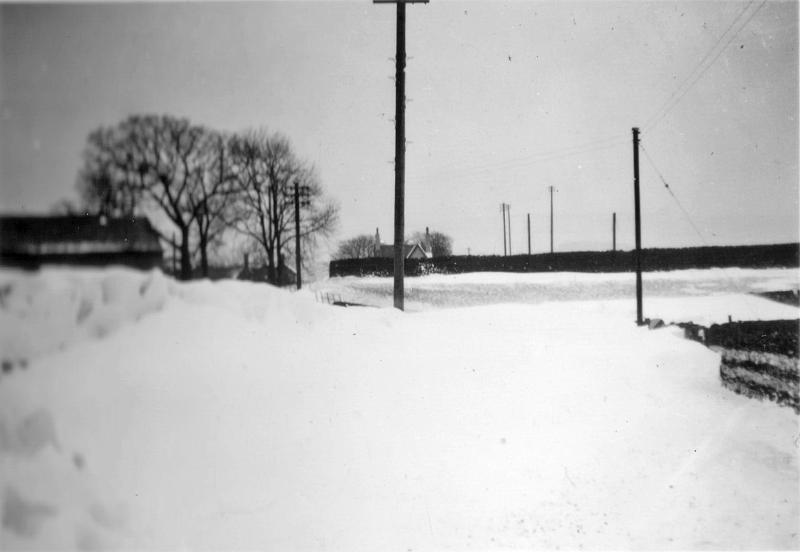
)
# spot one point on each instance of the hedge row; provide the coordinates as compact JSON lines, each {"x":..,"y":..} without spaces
{"x":744,"y":256}
{"x":764,"y":336}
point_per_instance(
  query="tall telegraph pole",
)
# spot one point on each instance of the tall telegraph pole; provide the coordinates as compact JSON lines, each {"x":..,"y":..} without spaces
{"x":505,"y":250}
{"x":529,"y":233}
{"x":551,"y":219}
{"x":400,"y":157}
{"x":638,"y":224}
{"x":298,"y":190}
{"x":508,"y":208}
{"x":614,"y":232}
{"x":399,"y":146}
{"x":297,"y":234}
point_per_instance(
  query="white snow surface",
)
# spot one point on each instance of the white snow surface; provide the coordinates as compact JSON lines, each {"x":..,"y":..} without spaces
{"x":148,"y":414}
{"x":483,"y":288}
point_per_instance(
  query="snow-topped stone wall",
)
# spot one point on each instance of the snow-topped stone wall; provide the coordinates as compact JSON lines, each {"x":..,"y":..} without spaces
{"x":759,"y":359}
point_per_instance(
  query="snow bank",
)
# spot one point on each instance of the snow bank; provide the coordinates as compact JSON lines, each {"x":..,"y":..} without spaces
{"x":53,"y":309}
{"x":234,"y":415}
{"x":716,"y":309}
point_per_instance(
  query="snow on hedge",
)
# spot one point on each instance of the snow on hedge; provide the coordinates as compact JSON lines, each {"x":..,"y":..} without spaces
{"x":156,"y":415}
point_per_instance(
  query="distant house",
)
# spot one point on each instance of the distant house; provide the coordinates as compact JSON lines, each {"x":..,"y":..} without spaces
{"x":287,"y":276}
{"x":411,"y":249}
{"x":216,"y":273}
{"x":32,"y":241}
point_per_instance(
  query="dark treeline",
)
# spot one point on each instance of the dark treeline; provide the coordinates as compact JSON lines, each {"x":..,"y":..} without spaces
{"x":744,"y":256}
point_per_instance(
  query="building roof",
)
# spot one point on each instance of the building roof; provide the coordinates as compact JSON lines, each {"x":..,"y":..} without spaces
{"x":387,"y":250}
{"x":409,"y":252}
{"x":218,"y":272}
{"x":75,"y":235}
{"x":261,"y":274}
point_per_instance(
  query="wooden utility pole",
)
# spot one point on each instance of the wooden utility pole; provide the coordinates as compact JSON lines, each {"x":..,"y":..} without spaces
{"x":614,"y":232}
{"x":508,"y":207}
{"x":551,"y":219}
{"x":297,"y":233}
{"x":399,"y":157}
{"x":638,"y":225}
{"x":503,"y":206}
{"x":529,"y":233}
{"x":399,"y":147}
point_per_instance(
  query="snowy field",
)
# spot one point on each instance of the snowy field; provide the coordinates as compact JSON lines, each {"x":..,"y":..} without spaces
{"x":141,"y":413}
{"x":485,"y":288}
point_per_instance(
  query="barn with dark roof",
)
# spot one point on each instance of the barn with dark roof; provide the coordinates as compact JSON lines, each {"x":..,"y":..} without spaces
{"x":32,"y":241}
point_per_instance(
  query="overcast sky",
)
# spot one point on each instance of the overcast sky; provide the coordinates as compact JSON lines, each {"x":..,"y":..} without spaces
{"x":499,"y":94}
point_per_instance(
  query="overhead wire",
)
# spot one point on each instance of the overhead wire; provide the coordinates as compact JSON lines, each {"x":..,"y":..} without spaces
{"x":698,"y":65}
{"x":533,"y":157}
{"x":686,"y":85}
{"x":672,"y":193}
{"x":695,"y":76}
{"x":568,"y":151}
{"x":532,"y":160}
{"x":520,"y":162}
{"x":699,"y":70}
{"x":670,"y":103}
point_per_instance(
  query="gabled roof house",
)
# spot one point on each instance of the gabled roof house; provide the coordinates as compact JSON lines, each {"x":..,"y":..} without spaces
{"x":411,"y":249}
{"x":287,"y":276}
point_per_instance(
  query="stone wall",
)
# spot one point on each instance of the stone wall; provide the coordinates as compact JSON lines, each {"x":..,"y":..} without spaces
{"x":759,"y":359}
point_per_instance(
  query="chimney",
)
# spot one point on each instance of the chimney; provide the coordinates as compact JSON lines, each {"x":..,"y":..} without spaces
{"x":428,"y":240}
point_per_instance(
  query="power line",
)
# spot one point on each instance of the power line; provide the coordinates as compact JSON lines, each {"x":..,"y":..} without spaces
{"x":564,"y":151}
{"x":672,"y":193}
{"x":699,"y":64}
{"x":510,"y":164}
{"x":532,"y":160}
{"x":673,"y":101}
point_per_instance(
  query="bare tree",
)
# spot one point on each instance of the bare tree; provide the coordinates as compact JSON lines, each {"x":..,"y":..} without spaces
{"x":105,"y":181}
{"x":165,"y":154}
{"x":359,"y":247}
{"x":251,"y":212}
{"x":149,"y":161}
{"x":265,"y":169}
{"x":211,"y":193}
{"x":204,"y":183}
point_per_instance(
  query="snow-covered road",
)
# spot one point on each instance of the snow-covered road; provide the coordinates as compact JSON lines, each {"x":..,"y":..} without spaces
{"x":151,"y":414}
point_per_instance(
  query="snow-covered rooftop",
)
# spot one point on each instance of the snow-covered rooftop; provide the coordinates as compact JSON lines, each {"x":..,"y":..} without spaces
{"x":75,"y":234}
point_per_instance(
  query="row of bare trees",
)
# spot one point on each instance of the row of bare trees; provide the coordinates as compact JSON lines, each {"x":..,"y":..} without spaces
{"x":204,"y":184}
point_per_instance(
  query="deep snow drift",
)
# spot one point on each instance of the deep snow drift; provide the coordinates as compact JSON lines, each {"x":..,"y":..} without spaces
{"x":143,"y":413}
